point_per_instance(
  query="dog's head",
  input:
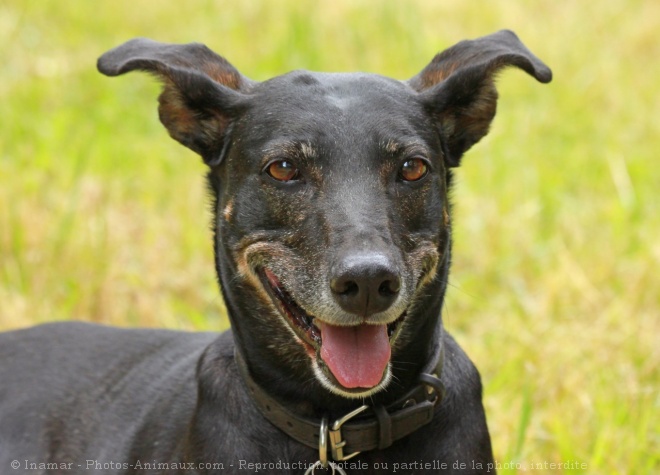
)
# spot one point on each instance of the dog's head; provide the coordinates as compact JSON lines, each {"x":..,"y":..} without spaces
{"x":332,"y":219}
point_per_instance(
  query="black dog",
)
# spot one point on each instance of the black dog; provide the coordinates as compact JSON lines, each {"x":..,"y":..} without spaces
{"x":332,"y":249}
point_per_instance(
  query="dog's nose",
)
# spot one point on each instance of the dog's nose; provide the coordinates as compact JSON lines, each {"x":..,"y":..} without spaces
{"x":365,"y":284}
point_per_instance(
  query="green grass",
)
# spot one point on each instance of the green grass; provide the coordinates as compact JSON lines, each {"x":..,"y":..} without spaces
{"x":555,"y":286}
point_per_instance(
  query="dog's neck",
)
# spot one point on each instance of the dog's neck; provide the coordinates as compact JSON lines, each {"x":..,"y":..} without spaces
{"x":364,"y":428}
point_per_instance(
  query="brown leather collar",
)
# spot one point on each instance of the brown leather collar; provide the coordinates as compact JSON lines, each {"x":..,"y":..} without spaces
{"x":378,"y":428}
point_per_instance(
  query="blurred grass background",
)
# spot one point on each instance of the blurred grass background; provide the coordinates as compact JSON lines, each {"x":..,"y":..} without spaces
{"x":555,"y":285}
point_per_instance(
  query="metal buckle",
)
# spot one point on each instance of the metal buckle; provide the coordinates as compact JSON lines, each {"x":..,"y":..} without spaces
{"x":323,"y":462}
{"x":435,"y":390}
{"x":337,"y":442}
{"x":323,"y":443}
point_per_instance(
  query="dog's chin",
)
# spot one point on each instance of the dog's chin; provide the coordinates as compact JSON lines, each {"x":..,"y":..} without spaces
{"x":306,"y":332}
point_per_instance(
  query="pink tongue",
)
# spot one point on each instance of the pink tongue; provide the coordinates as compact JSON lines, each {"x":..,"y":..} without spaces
{"x":357,"y":355}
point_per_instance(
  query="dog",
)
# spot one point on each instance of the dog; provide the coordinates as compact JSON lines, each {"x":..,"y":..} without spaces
{"x":332,"y":249}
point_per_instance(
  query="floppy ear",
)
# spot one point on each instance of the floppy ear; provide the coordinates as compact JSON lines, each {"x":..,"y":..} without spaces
{"x":201,"y":90}
{"x":458,"y":87}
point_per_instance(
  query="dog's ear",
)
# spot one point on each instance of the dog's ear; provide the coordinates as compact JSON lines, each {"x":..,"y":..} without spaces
{"x":458,"y":87}
{"x":201,"y":91}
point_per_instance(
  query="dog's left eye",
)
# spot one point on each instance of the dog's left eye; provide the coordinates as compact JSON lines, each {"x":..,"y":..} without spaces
{"x":282,"y":170}
{"x":413,"y":169}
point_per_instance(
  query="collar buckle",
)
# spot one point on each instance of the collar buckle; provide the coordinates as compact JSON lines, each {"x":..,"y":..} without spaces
{"x":337,"y":442}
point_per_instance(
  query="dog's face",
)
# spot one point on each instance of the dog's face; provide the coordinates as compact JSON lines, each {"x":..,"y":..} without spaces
{"x":332,"y":221}
{"x":333,"y":206}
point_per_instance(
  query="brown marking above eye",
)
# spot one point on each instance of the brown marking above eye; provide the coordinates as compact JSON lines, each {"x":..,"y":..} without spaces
{"x":282,"y":170}
{"x":413,"y":169}
{"x":392,"y":147}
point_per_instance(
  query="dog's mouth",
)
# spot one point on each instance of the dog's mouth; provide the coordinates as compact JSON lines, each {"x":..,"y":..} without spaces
{"x":354,"y":358}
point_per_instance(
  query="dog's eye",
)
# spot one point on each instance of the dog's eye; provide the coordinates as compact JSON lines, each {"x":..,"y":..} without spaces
{"x":282,"y":170}
{"x":413,"y":169}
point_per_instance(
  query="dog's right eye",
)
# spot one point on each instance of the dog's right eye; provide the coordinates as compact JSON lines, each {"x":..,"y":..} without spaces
{"x":413,"y":169}
{"x":282,"y":170}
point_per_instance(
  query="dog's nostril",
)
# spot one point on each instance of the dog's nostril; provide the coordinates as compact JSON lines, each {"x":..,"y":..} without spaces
{"x":344,"y":287}
{"x":389,"y":287}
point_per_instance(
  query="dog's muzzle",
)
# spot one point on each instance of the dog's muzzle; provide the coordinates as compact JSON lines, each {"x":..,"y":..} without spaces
{"x":353,"y":359}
